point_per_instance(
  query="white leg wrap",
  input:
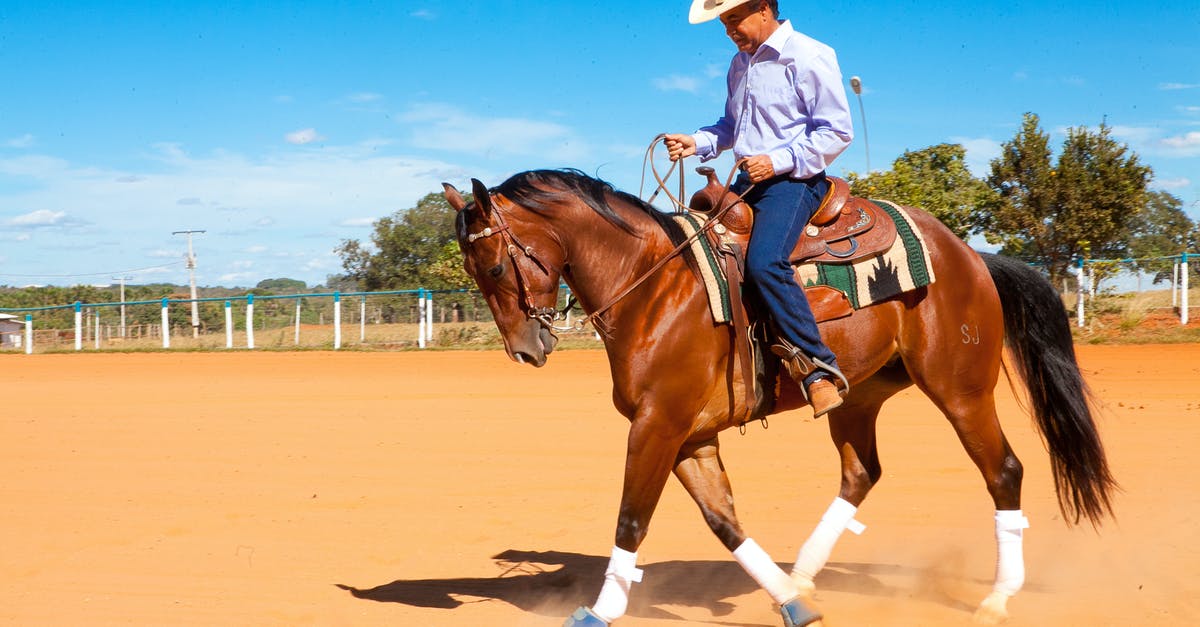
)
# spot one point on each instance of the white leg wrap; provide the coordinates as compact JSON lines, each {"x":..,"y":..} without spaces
{"x":765,"y":571}
{"x":817,"y":549}
{"x":1010,"y":561}
{"x":622,"y":573}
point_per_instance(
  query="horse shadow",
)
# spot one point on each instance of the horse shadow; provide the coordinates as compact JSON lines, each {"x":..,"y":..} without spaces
{"x":554,"y":583}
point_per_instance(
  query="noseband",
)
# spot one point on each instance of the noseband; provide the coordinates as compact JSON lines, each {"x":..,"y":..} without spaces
{"x":545,"y":316}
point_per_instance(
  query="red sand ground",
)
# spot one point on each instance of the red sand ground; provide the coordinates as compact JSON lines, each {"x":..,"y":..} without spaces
{"x":456,"y":488}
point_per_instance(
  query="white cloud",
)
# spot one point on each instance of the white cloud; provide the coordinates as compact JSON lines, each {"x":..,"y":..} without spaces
{"x":423,"y":14}
{"x":1179,"y":183}
{"x":303,"y":136}
{"x":1186,"y":145}
{"x":364,"y":97}
{"x":1177,"y":86}
{"x":443,"y":127}
{"x":980,"y":152}
{"x":676,"y":82}
{"x":40,"y":218}
{"x":307,"y":193}
{"x":357,"y":222}
{"x":24,"y":141}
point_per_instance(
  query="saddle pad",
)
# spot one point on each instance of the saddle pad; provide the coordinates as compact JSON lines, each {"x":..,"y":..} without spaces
{"x":715,"y":282}
{"x":903,"y":267}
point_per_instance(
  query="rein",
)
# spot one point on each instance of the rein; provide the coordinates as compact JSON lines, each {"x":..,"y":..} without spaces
{"x":547,"y":316}
{"x":594,"y":317}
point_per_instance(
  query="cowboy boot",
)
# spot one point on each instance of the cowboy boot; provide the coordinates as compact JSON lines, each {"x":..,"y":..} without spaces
{"x":823,"y":394}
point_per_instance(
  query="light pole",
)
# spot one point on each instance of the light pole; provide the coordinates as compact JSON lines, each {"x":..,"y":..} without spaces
{"x":191,"y":266}
{"x":856,"y":85}
{"x":122,"y":279}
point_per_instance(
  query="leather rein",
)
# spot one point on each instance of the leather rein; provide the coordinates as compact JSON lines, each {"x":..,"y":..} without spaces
{"x":547,"y":316}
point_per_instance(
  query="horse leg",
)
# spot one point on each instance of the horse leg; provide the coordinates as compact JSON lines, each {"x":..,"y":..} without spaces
{"x":852,"y":428}
{"x":971,"y":409}
{"x":650,"y":454}
{"x":702,"y":474}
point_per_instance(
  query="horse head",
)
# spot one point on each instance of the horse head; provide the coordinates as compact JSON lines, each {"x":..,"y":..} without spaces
{"x":517,"y":272}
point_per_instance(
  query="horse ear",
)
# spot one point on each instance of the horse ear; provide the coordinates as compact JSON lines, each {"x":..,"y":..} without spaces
{"x":453,"y":197}
{"x":482,"y":198}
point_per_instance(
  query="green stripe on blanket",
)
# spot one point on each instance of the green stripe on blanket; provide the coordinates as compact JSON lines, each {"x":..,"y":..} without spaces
{"x":715,"y":282}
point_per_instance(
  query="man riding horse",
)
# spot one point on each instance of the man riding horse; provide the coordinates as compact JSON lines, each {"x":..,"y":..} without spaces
{"x":786,"y":119}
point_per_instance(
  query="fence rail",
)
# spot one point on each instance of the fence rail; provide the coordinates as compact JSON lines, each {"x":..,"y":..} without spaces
{"x":406,"y":318}
{"x":399,"y":319}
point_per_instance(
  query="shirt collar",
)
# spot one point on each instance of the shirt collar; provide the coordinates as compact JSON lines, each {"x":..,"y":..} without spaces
{"x":778,"y":38}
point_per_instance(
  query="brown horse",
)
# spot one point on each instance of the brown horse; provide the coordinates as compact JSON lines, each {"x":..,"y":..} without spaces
{"x":676,"y":375}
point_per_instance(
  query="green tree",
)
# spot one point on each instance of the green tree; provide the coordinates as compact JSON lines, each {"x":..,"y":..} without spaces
{"x":282,"y":286}
{"x":935,"y":179}
{"x":1163,"y":229}
{"x":1081,"y":207}
{"x":404,"y":248}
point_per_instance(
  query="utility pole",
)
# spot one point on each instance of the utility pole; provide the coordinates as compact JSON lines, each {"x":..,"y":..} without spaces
{"x":122,"y":279}
{"x":191,"y":266}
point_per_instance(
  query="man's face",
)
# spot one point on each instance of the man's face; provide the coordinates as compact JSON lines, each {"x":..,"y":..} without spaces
{"x":749,"y":25}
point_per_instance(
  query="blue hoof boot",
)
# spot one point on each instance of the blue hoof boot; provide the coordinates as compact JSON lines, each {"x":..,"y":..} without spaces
{"x":583,"y":617}
{"x":797,"y":613}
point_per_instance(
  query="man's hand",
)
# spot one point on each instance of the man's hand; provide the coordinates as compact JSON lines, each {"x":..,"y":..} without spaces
{"x":680,"y":146}
{"x":759,"y":168}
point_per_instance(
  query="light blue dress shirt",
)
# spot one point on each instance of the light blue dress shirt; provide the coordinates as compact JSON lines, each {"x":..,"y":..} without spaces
{"x":786,"y":101}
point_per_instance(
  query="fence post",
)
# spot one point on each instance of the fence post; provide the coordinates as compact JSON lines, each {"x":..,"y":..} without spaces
{"x":429,"y":316}
{"x":249,"y":320}
{"x":1174,"y":282}
{"x":421,"y":317}
{"x":296,"y":339}
{"x":1183,"y":292}
{"x":362,"y":319}
{"x":228,"y":324}
{"x":1081,"y":291}
{"x":97,"y":328}
{"x":166,"y":325}
{"x":78,"y":326}
{"x":28,"y":334}
{"x":337,"y":320}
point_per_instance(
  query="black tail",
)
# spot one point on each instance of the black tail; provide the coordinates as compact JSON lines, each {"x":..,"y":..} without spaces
{"x":1039,"y":335}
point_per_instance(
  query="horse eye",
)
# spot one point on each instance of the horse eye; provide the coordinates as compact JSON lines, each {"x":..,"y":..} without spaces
{"x":496,"y":271}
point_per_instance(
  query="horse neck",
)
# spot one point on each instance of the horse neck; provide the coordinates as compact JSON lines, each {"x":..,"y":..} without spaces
{"x":605,"y":259}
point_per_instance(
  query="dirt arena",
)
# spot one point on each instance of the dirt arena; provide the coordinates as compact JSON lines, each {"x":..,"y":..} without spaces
{"x":458,"y":488}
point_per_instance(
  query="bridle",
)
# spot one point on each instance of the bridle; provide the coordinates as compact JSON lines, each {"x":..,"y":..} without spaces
{"x":545,"y":316}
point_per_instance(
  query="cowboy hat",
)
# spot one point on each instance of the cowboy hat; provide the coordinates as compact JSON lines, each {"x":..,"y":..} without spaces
{"x":705,"y":10}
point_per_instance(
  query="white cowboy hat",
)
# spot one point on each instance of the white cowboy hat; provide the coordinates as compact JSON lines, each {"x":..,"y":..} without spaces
{"x":705,"y":10}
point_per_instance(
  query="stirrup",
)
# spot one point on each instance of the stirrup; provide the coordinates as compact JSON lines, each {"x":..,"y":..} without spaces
{"x":799,"y":366}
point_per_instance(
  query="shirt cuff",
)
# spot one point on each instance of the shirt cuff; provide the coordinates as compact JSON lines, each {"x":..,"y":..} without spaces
{"x":782,"y":160}
{"x":706,"y":148}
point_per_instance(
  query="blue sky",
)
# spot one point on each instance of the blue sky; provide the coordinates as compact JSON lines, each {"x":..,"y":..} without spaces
{"x":283,"y":128}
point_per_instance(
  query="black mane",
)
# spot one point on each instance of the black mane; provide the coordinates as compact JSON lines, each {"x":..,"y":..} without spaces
{"x":540,"y":190}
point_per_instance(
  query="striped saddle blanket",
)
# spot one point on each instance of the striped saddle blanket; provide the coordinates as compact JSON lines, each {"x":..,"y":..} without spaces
{"x":834,"y":289}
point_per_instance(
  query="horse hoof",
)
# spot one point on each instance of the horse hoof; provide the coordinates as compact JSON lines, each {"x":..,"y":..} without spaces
{"x":584,"y":617}
{"x":797,"y":613}
{"x":804,"y":586}
{"x":993,"y":610}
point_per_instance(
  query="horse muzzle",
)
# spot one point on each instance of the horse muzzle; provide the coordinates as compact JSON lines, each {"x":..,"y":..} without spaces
{"x":535,"y":350}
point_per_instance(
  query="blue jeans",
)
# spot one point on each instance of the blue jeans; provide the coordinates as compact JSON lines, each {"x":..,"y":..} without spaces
{"x":782,"y":208}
